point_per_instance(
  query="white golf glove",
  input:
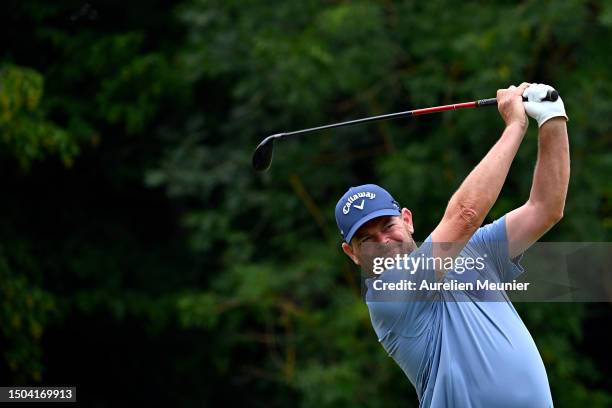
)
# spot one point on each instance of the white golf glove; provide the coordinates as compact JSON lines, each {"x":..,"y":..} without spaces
{"x":542,"y":111}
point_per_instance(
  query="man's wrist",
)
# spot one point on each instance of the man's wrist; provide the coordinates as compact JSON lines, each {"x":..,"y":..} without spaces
{"x":554,"y":125}
{"x":517,"y":126}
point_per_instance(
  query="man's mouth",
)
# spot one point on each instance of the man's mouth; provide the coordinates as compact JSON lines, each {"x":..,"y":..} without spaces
{"x":389,"y":250}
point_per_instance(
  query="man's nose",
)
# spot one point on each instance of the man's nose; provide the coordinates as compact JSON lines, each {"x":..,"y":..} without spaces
{"x":381,"y":238}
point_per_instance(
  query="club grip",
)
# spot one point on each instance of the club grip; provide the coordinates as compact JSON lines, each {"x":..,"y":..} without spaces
{"x":551,"y":96}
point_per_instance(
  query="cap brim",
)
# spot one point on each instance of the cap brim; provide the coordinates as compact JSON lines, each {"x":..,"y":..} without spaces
{"x":370,"y":216}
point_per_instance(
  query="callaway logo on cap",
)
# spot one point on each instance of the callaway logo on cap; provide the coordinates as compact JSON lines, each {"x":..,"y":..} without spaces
{"x":361,"y":204}
{"x":355,"y":197}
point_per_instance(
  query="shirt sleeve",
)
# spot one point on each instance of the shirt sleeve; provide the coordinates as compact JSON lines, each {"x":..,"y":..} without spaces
{"x":492,"y":240}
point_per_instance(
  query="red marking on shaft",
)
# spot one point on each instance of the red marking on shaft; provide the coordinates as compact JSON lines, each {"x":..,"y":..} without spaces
{"x":444,"y":108}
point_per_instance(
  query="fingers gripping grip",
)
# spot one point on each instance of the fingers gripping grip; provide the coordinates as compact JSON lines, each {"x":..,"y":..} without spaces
{"x":551,"y":96}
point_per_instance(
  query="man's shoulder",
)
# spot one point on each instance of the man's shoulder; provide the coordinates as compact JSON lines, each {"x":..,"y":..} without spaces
{"x":494,"y":230}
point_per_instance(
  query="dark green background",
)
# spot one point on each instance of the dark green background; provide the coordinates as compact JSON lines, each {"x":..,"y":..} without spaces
{"x":142,"y":259}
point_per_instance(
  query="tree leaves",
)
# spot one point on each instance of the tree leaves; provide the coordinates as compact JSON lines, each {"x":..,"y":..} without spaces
{"x":24,"y":128}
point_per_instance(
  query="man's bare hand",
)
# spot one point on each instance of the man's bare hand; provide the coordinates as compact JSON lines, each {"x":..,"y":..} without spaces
{"x":510,"y":105}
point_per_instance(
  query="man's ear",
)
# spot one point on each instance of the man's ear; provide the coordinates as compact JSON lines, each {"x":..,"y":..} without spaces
{"x":407,"y":217}
{"x":348,"y":250}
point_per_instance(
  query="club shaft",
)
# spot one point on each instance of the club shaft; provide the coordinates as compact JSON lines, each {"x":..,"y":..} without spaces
{"x":262,"y":157}
{"x":415,"y":112}
{"x":551,"y":95}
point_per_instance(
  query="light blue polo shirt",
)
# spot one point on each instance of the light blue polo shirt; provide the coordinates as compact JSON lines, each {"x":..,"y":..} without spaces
{"x":462,"y":348}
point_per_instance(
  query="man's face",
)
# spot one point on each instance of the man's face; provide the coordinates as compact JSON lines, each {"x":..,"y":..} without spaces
{"x":382,"y":237}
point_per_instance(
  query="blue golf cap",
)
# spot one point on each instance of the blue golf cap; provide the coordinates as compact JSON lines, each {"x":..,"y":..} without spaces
{"x":361,"y":204}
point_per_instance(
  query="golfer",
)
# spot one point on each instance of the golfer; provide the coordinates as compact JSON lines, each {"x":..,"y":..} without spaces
{"x":465,"y":347}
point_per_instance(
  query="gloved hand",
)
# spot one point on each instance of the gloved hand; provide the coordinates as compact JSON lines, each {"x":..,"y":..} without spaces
{"x":542,"y":111}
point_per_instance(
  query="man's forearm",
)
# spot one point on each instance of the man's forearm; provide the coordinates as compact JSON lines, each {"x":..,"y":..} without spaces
{"x":552,"y":170}
{"x":482,"y":186}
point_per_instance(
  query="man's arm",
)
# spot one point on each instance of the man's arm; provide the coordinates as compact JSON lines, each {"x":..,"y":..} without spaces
{"x":544,"y":208}
{"x":470,"y":204}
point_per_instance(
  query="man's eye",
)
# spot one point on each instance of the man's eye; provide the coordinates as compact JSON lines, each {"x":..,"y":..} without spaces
{"x":364,"y":239}
{"x":388,"y":226}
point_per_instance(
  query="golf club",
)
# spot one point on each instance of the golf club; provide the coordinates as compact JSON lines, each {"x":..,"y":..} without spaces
{"x":262,"y":157}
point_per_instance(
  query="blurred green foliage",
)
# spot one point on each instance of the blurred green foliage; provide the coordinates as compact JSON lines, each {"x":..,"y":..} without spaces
{"x":22,"y":124}
{"x":138,"y":249}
